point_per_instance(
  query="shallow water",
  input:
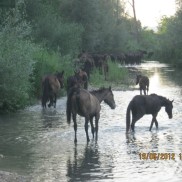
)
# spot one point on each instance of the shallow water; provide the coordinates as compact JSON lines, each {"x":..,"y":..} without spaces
{"x":40,"y":144}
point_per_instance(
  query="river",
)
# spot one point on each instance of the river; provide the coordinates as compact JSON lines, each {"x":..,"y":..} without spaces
{"x":40,"y":144}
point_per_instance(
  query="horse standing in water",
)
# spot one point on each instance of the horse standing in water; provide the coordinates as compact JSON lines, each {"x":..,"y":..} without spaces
{"x":147,"y":104}
{"x":143,"y":82}
{"x":87,"y":104}
{"x":79,"y":79}
{"x":50,"y":87}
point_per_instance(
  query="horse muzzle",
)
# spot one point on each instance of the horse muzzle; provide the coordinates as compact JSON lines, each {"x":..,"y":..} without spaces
{"x":170,"y":117}
{"x":113,"y":107}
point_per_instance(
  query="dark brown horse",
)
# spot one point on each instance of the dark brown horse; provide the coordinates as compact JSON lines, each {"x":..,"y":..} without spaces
{"x":87,"y":104}
{"x":143,"y":82}
{"x":79,"y":79}
{"x":82,"y":78}
{"x":147,"y":104}
{"x":50,"y":87}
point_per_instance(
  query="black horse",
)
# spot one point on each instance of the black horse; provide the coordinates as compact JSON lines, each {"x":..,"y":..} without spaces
{"x":87,"y":104}
{"x":147,"y":104}
{"x":143,"y":82}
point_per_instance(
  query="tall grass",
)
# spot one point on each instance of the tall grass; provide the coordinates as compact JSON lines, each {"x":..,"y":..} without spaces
{"x":116,"y":75}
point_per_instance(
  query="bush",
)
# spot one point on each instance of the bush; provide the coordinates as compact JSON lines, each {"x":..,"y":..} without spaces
{"x":16,"y":66}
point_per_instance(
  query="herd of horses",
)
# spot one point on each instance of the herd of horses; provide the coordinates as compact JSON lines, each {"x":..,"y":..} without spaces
{"x":87,"y":60}
{"x":87,"y":103}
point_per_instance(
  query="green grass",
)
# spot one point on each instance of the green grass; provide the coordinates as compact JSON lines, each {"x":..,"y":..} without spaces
{"x":116,"y":76}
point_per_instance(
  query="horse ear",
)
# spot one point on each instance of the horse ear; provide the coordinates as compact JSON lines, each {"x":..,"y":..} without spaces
{"x":172,"y":101}
{"x":63,"y":72}
{"x":109,"y":87}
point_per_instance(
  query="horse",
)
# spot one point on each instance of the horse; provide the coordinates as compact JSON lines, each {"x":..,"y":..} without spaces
{"x":147,"y":104}
{"x":51,"y":84}
{"x":79,"y":79}
{"x":143,"y":82}
{"x":82,"y":78}
{"x":87,"y":104}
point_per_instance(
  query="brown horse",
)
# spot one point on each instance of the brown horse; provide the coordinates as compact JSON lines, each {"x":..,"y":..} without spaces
{"x":147,"y":104}
{"x":79,"y":79}
{"x":82,"y":78}
{"x":87,"y":104}
{"x":50,"y":87}
{"x":143,"y":82}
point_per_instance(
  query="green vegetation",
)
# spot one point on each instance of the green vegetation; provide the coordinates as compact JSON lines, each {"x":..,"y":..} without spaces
{"x":43,"y":36}
{"x":116,"y":76}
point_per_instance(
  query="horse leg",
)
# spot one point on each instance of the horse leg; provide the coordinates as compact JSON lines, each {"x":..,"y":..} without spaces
{"x":135,"y":118}
{"x":153,"y":120}
{"x":140,"y":91}
{"x":156,"y":124}
{"x":86,"y":128}
{"x":75,"y":127}
{"x":151,"y":125}
{"x":50,"y":101}
{"x":97,"y":124}
{"x":144,"y":91}
{"x":55,"y":99}
{"x":92,"y":126}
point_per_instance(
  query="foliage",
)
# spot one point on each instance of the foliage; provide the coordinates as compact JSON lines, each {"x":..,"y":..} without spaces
{"x":50,"y":28}
{"x":116,"y":74}
{"x":170,"y":30}
{"x":16,"y":66}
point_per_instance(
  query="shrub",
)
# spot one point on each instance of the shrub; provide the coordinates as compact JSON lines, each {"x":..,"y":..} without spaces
{"x":16,"y":66}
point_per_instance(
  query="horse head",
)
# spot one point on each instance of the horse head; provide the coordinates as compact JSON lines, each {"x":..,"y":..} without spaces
{"x":109,"y":98}
{"x":169,"y":107}
{"x":60,"y":77}
{"x":138,"y":79}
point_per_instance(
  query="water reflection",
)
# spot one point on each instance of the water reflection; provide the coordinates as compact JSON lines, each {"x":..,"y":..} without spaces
{"x":49,"y":117}
{"x":136,"y":145}
{"x":87,"y":166}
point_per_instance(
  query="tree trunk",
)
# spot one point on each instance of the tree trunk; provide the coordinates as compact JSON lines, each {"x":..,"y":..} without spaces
{"x":135,"y":19}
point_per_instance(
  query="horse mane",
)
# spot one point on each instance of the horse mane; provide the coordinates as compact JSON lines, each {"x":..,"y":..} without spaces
{"x":98,"y":90}
{"x":163,"y":99}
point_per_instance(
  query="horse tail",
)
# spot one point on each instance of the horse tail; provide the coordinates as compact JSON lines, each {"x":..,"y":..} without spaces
{"x":69,"y":104}
{"x":46,"y":89}
{"x":128,"y":117}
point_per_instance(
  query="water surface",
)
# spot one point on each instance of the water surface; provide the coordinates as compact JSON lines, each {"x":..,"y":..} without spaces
{"x":39,"y":143}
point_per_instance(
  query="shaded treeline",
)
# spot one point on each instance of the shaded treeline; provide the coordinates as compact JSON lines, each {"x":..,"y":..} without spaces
{"x":169,"y":37}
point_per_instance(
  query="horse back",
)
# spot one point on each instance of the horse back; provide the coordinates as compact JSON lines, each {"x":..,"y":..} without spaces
{"x":146,"y":104}
{"x":54,"y":83}
{"x":144,"y":81}
{"x":85,"y":103}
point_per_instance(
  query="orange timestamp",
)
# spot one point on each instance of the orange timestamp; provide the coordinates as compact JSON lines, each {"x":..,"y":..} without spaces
{"x":159,"y":156}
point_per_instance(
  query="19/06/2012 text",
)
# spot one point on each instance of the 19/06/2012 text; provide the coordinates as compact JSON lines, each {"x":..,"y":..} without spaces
{"x":159,"y":156}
